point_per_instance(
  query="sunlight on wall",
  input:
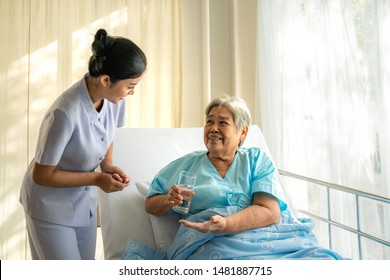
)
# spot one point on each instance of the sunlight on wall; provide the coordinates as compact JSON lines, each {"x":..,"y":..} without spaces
{"x":43,"y":87}
{"x":13,"y":139}
{"x":19,"y":85}
{"x":43,"y":64}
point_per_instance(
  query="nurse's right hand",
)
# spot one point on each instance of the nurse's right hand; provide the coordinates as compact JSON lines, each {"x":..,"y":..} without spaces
{"x":108,"y":183}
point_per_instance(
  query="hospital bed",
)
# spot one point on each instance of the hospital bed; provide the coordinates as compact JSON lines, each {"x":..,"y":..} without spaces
{"x":142,"y":152}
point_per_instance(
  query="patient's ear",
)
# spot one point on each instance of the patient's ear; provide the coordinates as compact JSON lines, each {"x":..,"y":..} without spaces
{"x":244,"y":133}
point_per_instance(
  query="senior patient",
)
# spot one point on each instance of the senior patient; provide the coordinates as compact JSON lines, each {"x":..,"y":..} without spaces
{"x":226,"y":175}
{"x":238,"y":209}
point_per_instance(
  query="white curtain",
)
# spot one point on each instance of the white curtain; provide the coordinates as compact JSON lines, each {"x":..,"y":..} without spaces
{"x":323,"y":86}
{"x":219,"y":50}
{"x":196,"y":50}
{"x":45,"y":50}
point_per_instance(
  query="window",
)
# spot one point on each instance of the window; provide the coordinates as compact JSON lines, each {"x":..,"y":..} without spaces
{"x":324,"y":94}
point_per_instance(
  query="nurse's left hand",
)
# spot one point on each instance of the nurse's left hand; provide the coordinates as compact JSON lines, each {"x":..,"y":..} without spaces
{"x":121,"y":177}
{"x":108,"y":183}
{"x":117,"y":174}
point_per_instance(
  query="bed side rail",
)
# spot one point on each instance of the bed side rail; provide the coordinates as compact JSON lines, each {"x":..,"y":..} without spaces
{"x":328,"y":218}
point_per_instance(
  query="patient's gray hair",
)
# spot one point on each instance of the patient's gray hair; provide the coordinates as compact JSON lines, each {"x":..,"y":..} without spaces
{"x":236,"y":106}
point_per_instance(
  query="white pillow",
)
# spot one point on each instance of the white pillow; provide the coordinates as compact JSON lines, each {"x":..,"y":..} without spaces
{"x":143,"y":187}
{"x":164,"y":227}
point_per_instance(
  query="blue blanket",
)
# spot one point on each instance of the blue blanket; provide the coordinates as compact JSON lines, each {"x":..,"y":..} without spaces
{"x":290,"y":239}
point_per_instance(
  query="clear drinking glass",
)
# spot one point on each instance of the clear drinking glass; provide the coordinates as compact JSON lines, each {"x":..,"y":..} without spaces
{"x":186,"y":182}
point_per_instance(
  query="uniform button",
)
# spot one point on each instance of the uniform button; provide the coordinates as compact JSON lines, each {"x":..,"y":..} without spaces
{"x":102,"y":138}
{"x":86,"y":188}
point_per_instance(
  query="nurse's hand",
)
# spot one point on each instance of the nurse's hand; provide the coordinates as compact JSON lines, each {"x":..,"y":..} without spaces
{"x":114,"y":180}
{"x":117,"y":174}
{"x":108,"y":183}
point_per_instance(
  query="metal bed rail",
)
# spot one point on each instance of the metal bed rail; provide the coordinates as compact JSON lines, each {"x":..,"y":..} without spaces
{"x":329,"y":220}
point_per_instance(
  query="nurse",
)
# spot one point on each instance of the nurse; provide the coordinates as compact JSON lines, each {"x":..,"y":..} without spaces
{"x":58,"y":192}
{"x":226,"y":175}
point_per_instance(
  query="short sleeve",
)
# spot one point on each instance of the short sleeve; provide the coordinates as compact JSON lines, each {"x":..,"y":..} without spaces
{"x":158,"y":185}
{"x":167,"y":176}
{"x":264,"y":177}
{"x":55,"y":133}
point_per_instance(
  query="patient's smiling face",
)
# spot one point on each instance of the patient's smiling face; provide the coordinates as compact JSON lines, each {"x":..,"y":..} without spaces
{"x":220,"y":134}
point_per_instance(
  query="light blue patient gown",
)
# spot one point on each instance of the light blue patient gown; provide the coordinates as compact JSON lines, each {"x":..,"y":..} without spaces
{"x":251,"y":171}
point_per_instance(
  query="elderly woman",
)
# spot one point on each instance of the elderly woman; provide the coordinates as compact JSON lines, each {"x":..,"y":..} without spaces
{"x":238,"y":208}
{"x":227,"y":175}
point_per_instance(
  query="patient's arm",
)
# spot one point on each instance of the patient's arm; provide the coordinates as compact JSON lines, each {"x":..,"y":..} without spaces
{"x":160,"y":204}
{"x":264,"y":211}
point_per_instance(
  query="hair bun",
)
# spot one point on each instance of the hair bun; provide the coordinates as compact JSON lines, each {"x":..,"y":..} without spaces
{"x":101,"y":35}
{"x":102,"y":43}
{"x":117,"y":57}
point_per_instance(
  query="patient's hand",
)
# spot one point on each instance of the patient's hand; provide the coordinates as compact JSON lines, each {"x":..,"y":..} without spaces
{"x":177,"y":194}
{"x":216,"y":224}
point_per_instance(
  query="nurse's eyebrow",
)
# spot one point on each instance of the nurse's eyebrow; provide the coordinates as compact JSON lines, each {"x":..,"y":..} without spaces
{"x":132,"y":84}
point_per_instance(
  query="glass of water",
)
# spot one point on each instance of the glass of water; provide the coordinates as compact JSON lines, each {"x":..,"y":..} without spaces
{"x":186,"y":182}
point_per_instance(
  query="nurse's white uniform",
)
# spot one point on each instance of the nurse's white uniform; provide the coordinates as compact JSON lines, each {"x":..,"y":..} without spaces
{"x":74,"y":137}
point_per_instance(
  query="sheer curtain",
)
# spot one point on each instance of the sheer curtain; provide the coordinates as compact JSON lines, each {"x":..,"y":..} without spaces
{"x":219,"y":46}
{"x":323,"y":86}
{"x":159,"y":102}
{"x":46,"y":50}
{"x":197,"y":50}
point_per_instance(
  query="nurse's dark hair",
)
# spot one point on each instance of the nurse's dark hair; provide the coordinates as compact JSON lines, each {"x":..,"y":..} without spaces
{"x":237,"y":106}
{"x":117,"y":57}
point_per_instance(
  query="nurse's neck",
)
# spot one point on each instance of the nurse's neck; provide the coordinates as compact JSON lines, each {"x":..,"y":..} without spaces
{"x":93,"y":90}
